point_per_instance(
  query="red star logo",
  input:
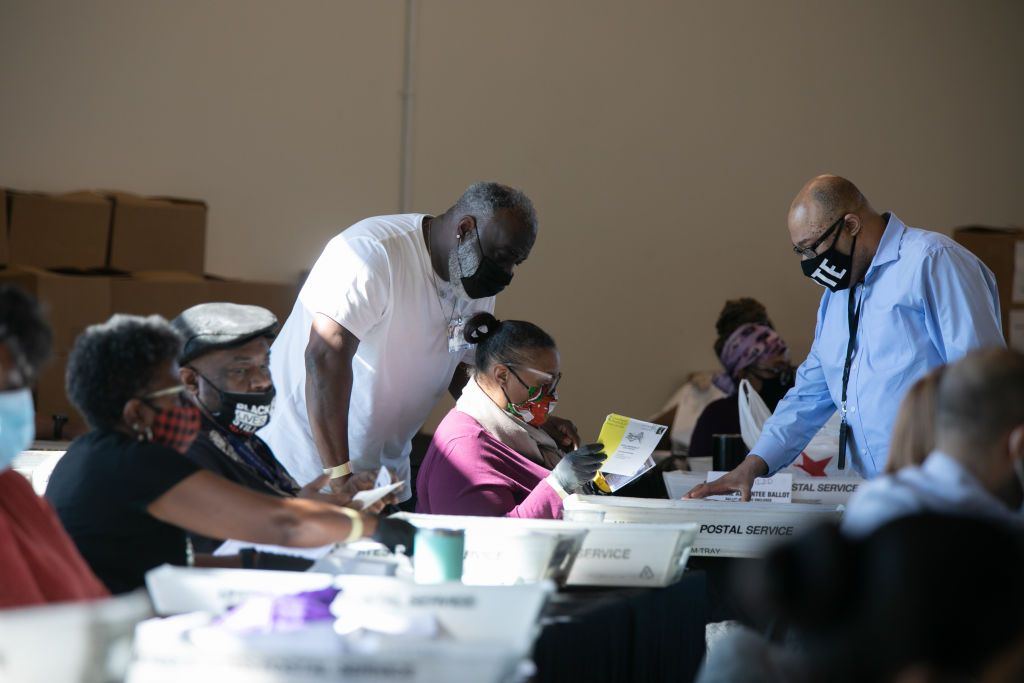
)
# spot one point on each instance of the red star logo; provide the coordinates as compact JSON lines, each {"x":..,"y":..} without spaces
{"x":815,"y":468}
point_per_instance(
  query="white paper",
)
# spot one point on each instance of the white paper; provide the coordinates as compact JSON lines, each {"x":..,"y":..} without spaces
{"x":629,"y":443}
{"x":368,"y":498}
{"x":776,"y":489}
{"x":1017,"y":296}
{"x":232,"y":547}
{"x":1016,"y":331}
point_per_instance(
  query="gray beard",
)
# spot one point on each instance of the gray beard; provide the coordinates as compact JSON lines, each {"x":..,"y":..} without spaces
{"x":463,"y":261}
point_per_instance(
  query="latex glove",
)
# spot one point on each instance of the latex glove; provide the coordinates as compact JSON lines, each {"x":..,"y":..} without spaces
{"x":579,"y":467}
{"x":395,"y":532}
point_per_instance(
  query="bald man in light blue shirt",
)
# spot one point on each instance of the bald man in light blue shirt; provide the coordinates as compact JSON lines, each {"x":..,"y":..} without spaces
{"x":913,"y":298}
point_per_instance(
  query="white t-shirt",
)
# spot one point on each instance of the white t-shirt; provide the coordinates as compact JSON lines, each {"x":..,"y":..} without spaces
{"x":374,"y":279}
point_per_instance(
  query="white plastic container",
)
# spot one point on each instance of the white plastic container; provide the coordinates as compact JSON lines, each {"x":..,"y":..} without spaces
{"x":165,"y":653}
{"x":85,"y":642}
{"x":650,"y":555}
{"x":818,"y":490}
{"x":501,"y":551}
{"x":467,"y":613}
{"x":725,"y":529}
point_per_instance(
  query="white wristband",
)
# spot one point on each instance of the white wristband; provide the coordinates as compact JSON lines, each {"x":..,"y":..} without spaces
{"x":338,"y":471}
{"x":553,"y":483}
{"x":357,"y":525}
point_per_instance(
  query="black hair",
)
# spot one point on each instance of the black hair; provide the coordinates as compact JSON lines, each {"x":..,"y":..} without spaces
{"x":24,"y":330}
{"x":503,"y":341}
{"x":116,"y":361}
{"x":735,"y":313}
{"x":935,"y":590}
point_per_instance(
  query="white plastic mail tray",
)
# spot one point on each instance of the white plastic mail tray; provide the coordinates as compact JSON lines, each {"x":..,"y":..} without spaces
{"x":649,"y":555}
{"x":725,"y":529}
{"x":504,"y":551}
{"x":166,"y":651}
{"x":465,"y":612}
{"x":70,"y":641}
{"x":823,"y":490}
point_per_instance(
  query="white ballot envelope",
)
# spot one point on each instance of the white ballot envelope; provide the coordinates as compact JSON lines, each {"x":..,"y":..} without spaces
{"x":629,"y":444}
{"x":774,"y":489}
{"x":382,"y":487}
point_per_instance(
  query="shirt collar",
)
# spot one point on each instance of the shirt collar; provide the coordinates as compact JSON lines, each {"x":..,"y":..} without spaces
{"x":889,"y":247}
{"x":946,"y":470}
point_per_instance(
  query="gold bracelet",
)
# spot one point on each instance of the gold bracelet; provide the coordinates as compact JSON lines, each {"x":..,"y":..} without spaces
{"x":356,"y":532}
{"x":338,"y":471}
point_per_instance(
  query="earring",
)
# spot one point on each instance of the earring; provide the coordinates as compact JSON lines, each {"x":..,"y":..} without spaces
{"x":142,"y":434}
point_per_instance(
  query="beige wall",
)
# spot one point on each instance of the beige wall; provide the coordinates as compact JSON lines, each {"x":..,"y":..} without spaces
{"x":661,"y":141}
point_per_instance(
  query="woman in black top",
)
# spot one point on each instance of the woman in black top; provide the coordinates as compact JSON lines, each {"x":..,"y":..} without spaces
{"x":127,"y":495}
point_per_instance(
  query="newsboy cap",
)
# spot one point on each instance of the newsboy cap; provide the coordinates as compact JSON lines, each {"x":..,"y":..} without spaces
{"x":208,"y":327}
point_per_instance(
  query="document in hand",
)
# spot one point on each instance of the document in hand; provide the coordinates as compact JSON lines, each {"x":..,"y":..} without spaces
{"x":382,"y":487}
{"x":629,"y":444}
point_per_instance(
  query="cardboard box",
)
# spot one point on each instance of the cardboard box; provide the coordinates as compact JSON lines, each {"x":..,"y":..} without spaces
{"x":160,"y":293}
{"x":1002,"y":250}
{"x":157,"y":233}
{"x":52,"y":404}
{"x":4,"y":248}
{"x":58,"y":231}
{"x":278,"y":298}
{"x":71,"y":302}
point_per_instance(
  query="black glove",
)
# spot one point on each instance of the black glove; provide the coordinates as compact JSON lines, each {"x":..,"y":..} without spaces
{"x":579,"y":467}
{"x":395,"y":532}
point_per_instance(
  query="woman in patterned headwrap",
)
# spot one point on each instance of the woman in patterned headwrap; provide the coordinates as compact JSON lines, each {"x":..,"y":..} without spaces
{"x":754,"y":352}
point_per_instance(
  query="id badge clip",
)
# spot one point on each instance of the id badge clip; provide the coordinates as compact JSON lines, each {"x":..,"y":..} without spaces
{"x":456,"y":341}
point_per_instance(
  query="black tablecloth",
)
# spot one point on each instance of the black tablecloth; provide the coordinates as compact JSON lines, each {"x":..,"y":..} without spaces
{"x":624,"y":634}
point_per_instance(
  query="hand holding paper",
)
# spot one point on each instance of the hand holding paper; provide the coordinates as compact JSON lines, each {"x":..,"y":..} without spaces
{"x":629,"y":444}
{"x":383,"y":487}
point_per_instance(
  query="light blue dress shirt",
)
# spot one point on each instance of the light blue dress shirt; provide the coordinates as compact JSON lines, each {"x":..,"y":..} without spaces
{"x":925,"y":300}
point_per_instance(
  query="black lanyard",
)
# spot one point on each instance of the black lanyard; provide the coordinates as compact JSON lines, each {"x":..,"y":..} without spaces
{"x":853,"y":322}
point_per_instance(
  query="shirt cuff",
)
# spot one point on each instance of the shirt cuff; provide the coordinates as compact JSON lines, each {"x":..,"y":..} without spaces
{"x":553,"y":483}
{"x":773,"y":454}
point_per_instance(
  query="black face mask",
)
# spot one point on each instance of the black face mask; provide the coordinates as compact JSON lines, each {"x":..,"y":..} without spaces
{"x":489,"y":278}
{"x":831,"y":269}
{"x":243,"y":413}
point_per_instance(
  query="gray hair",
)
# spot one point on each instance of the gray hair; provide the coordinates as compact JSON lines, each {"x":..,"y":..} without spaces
{"x":116,"y":361}
{"x":483,"y":199}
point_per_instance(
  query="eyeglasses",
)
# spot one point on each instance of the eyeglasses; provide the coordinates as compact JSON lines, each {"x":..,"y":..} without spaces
{"x":812,"y":251}
{"x":177,"y":390}
{"x":545,"y":389}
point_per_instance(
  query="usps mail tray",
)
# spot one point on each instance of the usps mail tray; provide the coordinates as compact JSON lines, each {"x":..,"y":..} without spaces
{"x":725,"y":529}
{"x":648,"y":555}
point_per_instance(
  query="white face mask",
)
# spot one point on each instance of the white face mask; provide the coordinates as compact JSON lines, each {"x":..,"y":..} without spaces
{"x":17,"y":424}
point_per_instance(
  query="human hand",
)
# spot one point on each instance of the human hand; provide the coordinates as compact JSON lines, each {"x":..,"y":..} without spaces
{"x":579,"y":467}
{"x":314,"y":491}
{"x":739,"y":480}
{"x":563,"y":431}
{"x":367,"y":481}
{"x":395,"y":532}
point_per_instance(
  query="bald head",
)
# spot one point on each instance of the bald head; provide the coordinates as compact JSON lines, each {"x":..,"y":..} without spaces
{"x":823,"y":200}
{"x":981,"y":399}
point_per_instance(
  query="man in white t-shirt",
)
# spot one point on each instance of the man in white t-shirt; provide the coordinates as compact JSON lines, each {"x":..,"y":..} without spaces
{"x":376,"y":334}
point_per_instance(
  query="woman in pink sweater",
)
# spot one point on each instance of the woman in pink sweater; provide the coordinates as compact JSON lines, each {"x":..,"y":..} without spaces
{"x":489,"y":456}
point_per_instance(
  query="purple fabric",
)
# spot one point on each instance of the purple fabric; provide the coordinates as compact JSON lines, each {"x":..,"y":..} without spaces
{"x":747,"y":345}
{"x":467,"y":471}
{"x":280,"y":614}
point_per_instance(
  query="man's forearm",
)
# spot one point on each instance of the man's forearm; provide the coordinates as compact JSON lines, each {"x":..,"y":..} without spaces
{"x":328,"y":392}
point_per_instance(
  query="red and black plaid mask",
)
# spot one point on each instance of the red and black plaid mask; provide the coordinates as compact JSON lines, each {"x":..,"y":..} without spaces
{"x":176,"y":427}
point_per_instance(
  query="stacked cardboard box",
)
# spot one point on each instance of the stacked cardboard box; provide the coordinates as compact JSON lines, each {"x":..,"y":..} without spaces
{"x":1002,"y":250}
{"x":88,"y":255}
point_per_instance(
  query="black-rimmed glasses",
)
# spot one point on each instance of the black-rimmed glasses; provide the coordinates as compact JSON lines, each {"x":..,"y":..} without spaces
{"x":812,"y":251}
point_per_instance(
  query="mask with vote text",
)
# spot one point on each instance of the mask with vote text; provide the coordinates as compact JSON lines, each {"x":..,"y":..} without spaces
{"x":831,"y":269}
